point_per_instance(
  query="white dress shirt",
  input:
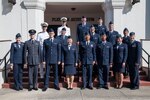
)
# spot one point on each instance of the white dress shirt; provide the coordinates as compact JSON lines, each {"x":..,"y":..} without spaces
{"x":68,"y":32}
{"x":41,"y":37}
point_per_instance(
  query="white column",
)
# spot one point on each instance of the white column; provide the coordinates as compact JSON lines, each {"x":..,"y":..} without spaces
{"x":108,"y":10}
{"x":35,"y":13}
{"x":118,"y":6}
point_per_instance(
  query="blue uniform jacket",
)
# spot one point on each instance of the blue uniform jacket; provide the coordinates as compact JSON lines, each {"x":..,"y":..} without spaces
{"x":17,"y":53}
{"x":32,"y":52}
{"x":134,"y":52}
{"x":51,"y":51}
{"x":69,"y":56}
{"x":81,"y":31}
{"x":104,"y":53}
{"x":101,"y":29}
{"x":120,"y":53}
{"x":112,"y":37}
{"x":87,"y":53}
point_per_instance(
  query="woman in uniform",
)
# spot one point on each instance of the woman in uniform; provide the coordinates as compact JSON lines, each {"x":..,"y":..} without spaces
{"x":119,"y":61}
{"x":69,"y":61}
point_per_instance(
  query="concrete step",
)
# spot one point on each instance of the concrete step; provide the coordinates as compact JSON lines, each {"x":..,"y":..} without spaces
{"x":76,"y":84}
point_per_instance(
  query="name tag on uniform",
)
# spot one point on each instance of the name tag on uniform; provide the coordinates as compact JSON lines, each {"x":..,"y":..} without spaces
{"x":107,"y":46}
{"x":95,"y":38}
{"x":15,"y":45}
{"x":36,"y":44}
{"x":133,"y":46}
{"x":91,"y":45}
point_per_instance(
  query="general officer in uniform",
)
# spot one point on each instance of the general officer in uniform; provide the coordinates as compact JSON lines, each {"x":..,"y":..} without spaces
{"x":52,"y":57}
{"x":119,"y":60}
{"x":41,"y":36}
{"x":32,"y":53}
{"x":17,"y":61}
{"x":82,"y":29}
{"x":64,"y":25}
{"x":112,"y":34}
{"x":104,"y":52}
{"x":87,"y":58}
{"x":69,"y":61}
{"x":134,"y":61}
{"x":100,"y":27}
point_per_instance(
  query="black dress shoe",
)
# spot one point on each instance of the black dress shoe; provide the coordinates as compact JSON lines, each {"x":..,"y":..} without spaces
{"x":30,"y":89}
{"x":134,"y":88}
{"x":70,"y":88}
{"x":17,"y":89}
{"x":82,"y":88}
{"x":106,"y":87}
{"x":21,"y":88}
{"x":90,"y":87}
{"x":35,"y":89}
{"x":57,"y":88}
{"x":44,"y":89}
{"x":99,"y":87}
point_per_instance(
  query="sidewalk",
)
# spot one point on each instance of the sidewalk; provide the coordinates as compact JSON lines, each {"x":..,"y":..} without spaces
{"x":77,"y":94}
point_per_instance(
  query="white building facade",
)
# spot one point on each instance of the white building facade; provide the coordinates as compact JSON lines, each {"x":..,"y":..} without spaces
{"x":29,"y":14}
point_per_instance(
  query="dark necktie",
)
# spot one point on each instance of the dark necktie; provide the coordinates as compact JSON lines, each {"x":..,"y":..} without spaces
{"x":32,"y":41}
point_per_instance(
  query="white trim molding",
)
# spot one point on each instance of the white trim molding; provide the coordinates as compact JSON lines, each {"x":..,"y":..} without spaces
{"x":35,"y":4}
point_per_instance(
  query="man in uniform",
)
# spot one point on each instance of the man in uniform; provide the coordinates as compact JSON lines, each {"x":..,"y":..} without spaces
{"x":134,"y":61}
{"x":63,"y":41}
{"x":87,"y":58}
{"x":104,"y":52}
{"x":126,"y":37}
{"x":111,"y":37}
{"x":82,"y":29}
{"x":32,"y":52}
{"x":94,"y":36}
{"x":126,"y":40}
{"x":112,"y":34}
{"x":41,"y":36}
{"x":64,"y":25}
{"x":100,"y":28}
{"x":63,"y":37}
{"x":17,"y":61}
{"x":52,"y":57}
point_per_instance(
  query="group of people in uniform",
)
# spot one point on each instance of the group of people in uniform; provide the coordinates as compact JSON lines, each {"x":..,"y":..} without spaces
{"x":96,"y":51}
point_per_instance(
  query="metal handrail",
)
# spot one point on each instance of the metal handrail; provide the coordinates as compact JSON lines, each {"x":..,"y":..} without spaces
{"x":146,"y":52}
{"x":5,"y":40}
{"x":5,"y":65}
{"x":147,"y":61}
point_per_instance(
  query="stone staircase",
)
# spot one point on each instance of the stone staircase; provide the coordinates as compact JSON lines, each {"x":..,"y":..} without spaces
{"x":77,"y":81}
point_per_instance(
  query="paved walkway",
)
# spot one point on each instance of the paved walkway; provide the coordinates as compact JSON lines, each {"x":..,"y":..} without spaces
{"x":77,"y":94}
